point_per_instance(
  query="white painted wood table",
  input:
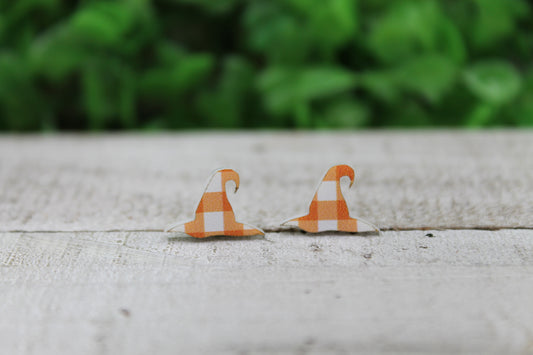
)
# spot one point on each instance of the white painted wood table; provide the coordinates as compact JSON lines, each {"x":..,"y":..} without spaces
{"x":86,"y":269}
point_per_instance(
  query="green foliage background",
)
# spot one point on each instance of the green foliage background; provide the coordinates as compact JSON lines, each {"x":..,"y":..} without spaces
{"x":171,"y":64}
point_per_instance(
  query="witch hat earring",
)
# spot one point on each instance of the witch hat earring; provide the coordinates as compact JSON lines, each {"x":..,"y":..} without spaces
{"x":328,"y":210}
{"x":214,"y":214}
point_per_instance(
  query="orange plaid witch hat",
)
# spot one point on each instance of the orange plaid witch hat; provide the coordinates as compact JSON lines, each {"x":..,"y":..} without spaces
{"x":214,"y":215}
{"x":328,"y":210}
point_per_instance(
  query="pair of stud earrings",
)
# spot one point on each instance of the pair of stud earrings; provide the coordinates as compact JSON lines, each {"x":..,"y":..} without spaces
{"x":328,"y":210}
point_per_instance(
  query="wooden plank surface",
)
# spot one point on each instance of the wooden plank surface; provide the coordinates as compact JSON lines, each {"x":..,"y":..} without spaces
{"x":84,"y":268}
{"x":404,"y":179}
{"x":143,"y":293}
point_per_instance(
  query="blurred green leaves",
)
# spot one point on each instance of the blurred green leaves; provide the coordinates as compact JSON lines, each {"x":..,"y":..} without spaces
{"x":428,"y":76}
{"x":406,"y":29}
{"x":171,"y":64}
{"x":227,"y":104}
{"x":494,"y":82}
{"x":291,"y":91}
{"x":496,"y":19}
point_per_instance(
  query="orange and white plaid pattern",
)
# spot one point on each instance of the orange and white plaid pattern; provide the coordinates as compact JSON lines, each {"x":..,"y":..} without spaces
{"x":214,"y":214}
{"x":328,"y":210}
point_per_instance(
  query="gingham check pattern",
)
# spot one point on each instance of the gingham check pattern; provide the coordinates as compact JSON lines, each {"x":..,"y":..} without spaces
{"x":328,"y":210}
{"x":214,"y":214}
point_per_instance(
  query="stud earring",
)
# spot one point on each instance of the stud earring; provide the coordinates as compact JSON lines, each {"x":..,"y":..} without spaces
{"x":328,"y":210}
{"x":214,"y":215}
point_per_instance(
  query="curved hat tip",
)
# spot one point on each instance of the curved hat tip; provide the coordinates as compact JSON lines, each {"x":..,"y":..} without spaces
{"x":229,"y":175}
{"x":348,"y":171}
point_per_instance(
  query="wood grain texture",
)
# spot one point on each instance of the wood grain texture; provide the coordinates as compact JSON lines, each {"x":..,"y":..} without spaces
{"x":84,"y":269}
{"x":403,"y":179}
{"x":146,"y":292}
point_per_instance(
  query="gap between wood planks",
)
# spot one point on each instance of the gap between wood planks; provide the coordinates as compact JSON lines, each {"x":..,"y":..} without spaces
{"x":272,"y":230}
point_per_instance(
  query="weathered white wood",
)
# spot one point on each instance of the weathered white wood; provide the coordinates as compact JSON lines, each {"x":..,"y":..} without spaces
{"x":136,"y":291}
{"x":145,"y":293}
{"x":407,"y":180}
